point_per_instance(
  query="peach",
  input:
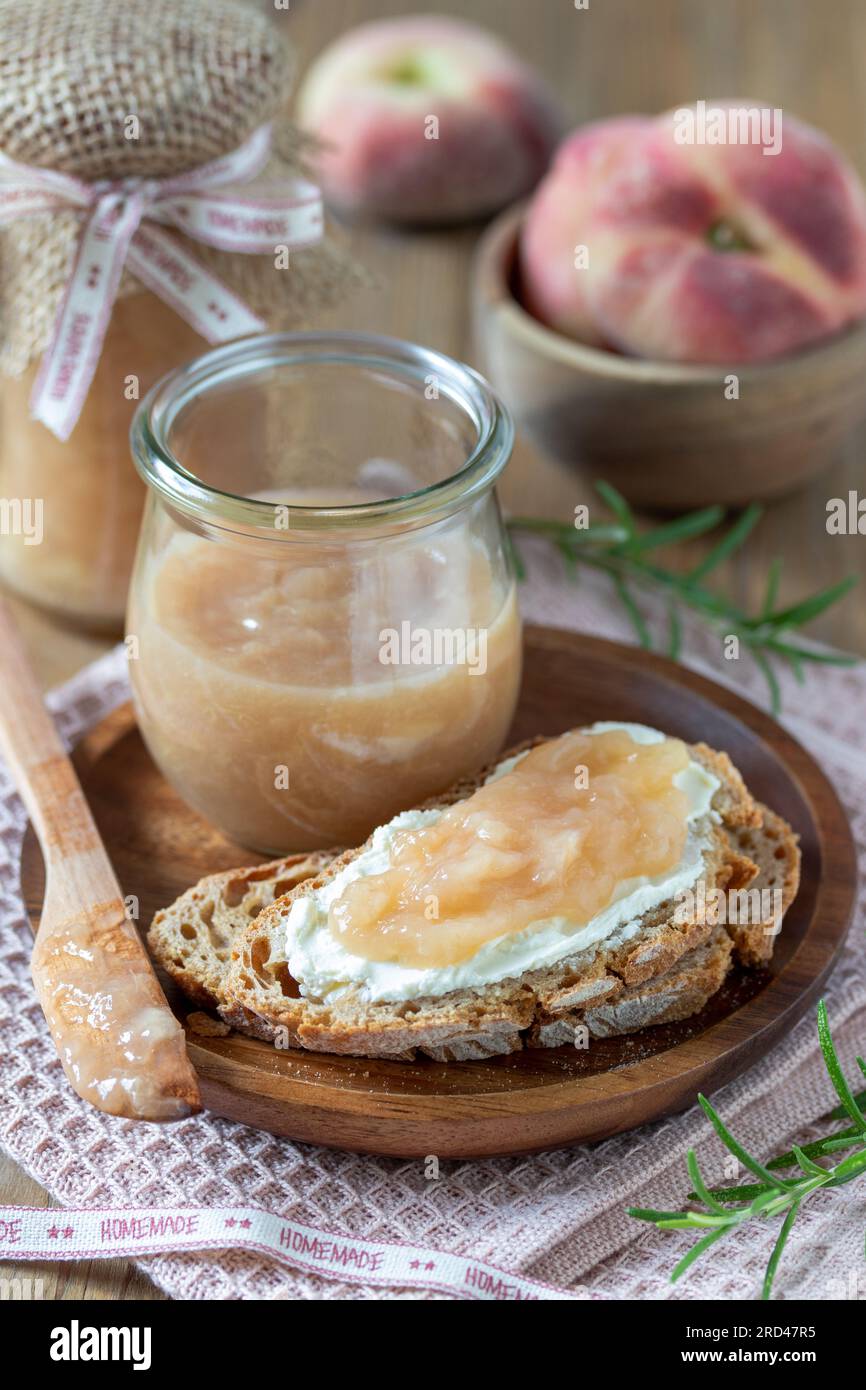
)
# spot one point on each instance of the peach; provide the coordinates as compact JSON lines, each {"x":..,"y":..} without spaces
{"x":426,"y":119}
{"x":552,"y":281}
{"x":713,"y":253}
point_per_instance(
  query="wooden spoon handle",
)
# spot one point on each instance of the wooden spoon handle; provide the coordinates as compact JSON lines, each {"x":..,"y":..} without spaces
{"x":29,"y":740}
{"x":121,"y":1047}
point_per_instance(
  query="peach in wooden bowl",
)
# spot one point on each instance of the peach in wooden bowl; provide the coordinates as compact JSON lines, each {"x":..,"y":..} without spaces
{"x":686,"y":321}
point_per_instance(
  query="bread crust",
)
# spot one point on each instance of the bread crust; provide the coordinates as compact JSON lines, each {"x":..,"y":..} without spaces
{"x":191,"y":940}
{"x":675,"y":994}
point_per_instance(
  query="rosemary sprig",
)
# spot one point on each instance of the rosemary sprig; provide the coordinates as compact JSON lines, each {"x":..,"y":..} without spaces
{"x":621,"y":550}
{"x":721,"y":1210}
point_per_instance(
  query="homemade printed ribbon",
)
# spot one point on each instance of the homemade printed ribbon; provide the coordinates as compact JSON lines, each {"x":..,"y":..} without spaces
{"x":72,"y":1233}
{"x":113,"y":235}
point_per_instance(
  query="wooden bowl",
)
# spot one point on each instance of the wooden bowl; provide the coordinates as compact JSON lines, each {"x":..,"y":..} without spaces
{"x":664,"y":433}
{"x":537,"y":1098}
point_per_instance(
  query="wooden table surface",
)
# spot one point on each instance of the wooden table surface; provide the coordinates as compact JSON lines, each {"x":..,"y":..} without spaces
{"x":614,"y":56}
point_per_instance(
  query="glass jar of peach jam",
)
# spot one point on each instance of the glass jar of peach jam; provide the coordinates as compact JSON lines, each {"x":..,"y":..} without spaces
{"x":323,"y":628}
{"x":89,"y":497}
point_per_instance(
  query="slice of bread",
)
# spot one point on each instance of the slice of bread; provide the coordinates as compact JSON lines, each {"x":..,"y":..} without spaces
{"x":612,"y":978}
{"x":774,"y":849}
{"x":192,"y":939}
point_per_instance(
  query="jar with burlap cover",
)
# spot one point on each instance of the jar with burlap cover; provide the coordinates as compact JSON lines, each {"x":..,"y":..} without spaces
{"x":198,"y":80}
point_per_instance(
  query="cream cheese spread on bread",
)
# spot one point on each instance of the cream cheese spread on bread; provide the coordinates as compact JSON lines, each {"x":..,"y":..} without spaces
{"x":324,"y":968}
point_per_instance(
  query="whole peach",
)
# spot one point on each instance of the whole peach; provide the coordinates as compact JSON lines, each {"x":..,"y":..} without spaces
{"x":553,"y":277}
{"x":426,"y":119}
{"x":701,"y":252}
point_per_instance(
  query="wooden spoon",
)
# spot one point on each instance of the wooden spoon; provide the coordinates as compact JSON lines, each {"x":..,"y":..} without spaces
{"x":121,"y":1047}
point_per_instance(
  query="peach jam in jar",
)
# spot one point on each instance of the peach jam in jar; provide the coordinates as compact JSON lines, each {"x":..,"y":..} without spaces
{"x":89,"y":498}
{"x":323,"y":626}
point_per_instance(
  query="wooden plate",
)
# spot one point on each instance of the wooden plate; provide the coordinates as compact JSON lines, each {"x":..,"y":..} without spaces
{"x":535,"y":1099}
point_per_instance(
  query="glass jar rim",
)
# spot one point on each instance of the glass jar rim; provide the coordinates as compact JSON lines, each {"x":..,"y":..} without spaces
{"x":465,"y":387}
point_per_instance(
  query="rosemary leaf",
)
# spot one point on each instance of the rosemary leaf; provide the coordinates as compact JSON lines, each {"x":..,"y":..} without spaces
{"x":770,"y":677}
{"x":634,"y":612}
{"x":860,"y":1096}
{"x":702,"y":1192}
{"x":846,"y":1138}
{"x":618,"y":505}
{"x":682,"y":529}
{"x":809,"y":608}
{"x":650,"y":1214}
{"x":837,"y":1076}
{"x":729,"y":542}
{"x":805,"y":1162}
{"x":736,"y":1148}
{"x":849,"y":1169}
{"x":773,"y":1262}
{"x":796,"y":666}
{"x":733,"y":1194}
{"x":696,"y":1251}
{"x":780,"y":648}
{"x":690,"y":1220}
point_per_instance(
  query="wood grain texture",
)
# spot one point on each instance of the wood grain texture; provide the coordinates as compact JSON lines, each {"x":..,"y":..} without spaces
{"x":617,"y":56}
{"x":538,"y":1098}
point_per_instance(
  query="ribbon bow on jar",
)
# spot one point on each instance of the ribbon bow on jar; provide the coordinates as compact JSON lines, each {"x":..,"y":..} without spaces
{"x":114,"y":234}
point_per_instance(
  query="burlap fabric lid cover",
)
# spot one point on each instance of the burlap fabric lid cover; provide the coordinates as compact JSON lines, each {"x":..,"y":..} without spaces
{"x":200,"y":77}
